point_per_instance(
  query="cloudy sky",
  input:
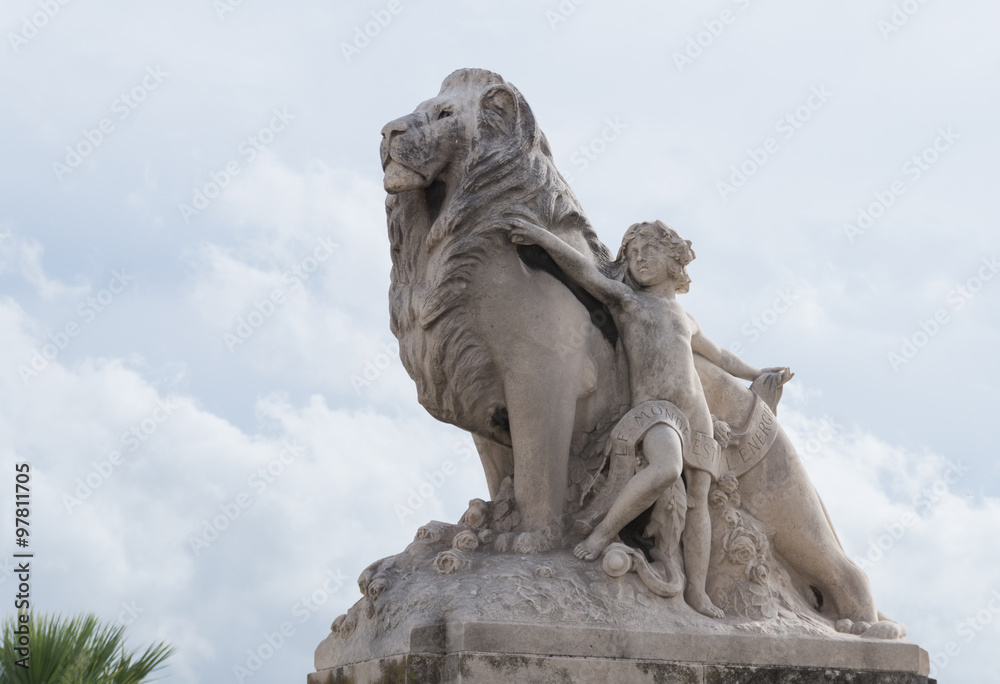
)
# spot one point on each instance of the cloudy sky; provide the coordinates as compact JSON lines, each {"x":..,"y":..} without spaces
{"x":197,"y":363}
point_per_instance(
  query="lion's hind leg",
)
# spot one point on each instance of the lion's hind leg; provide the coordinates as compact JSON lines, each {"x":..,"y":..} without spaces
{"x":778,"y":492}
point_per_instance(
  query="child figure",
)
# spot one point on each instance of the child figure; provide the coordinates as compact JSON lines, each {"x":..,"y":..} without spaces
{"x":660,"y":341}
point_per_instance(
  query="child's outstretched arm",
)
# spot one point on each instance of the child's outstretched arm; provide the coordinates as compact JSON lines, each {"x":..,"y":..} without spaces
{"x":573,"y":264}
{"x":727,"y":361}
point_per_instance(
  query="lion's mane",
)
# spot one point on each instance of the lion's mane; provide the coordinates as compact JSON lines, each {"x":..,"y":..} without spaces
{"x":436,"y":255}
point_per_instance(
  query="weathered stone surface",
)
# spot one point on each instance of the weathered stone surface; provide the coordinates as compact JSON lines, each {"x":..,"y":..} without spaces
{"x":715,"y":674}
{"x":554,"y":604}
{"x":480,"y":668}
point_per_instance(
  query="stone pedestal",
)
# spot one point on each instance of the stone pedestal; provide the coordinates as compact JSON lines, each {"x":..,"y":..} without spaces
{"x":453,"y":653}
{"x":438,"y":614}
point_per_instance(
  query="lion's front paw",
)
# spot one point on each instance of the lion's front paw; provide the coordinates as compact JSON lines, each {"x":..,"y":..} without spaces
{"x":531,"y":543}
{"x":885,"y":629}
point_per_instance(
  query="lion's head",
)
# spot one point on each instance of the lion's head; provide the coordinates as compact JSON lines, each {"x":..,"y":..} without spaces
{"x":475,"y":111}
{"x":472,"y":148}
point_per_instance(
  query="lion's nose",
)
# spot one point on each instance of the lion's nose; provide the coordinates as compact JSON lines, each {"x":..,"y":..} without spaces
{"x":393,"y":127}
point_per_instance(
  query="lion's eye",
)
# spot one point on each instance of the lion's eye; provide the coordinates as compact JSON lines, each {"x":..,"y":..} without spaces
{"x":443,"y":113}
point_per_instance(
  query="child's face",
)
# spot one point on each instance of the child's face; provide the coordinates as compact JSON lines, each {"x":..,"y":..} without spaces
{"x":649,"y":260}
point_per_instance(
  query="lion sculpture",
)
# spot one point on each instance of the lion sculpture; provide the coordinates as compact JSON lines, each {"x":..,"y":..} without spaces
{"x":501,"y":344}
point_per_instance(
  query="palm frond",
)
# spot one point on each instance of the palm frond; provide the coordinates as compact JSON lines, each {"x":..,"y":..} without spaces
{"x":75,"y":650}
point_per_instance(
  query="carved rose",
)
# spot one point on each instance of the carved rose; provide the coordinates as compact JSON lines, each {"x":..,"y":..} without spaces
{"x":717,"y":499}
{"x":431,"y":534}
{"x":450,"y":561}
{"x":344,"y":625}
{"x":742,"y":549}
{"x":723,"y":432}
{"x":758,"y":573}
{"x":478,"y":514}
{"x":465,"y":540}
{"x":377,"y":587}
{"x":486,"y":537}
{"x":732,"y":517}
{"x":735,"y":500}
{"x":504,"y":542}
{"x":728,"y":483}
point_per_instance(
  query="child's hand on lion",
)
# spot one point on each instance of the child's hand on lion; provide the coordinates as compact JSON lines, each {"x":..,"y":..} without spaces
{"x":784,"y":373}
{"x":525,"y":233}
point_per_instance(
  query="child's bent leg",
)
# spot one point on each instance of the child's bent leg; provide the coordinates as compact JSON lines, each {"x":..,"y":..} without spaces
{"x":697,"y":537}
{"x":662,"y":447}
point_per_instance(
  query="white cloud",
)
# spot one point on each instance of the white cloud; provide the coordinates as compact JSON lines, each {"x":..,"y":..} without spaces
{"x":23,"y":256}
{"x":916,"y":524}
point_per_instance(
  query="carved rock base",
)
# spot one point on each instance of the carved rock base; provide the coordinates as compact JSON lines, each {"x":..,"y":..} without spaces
{"x":454,"y":608}
{"x":483,"y":653}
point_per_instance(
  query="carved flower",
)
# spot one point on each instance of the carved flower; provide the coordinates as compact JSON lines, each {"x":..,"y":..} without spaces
{"x":728,"y":483}
{"x":717,"y":499}
{"x":504,"y":542}
{"x":486,"y":537}
{"x":759,"y":572}
{"x":450,"y":561}
{"x":465,"y":540}
{"x":742,"y":549}
{"x":344,"y":625}
{"x":431,"y":534}
{"x":732,"y":518}
{"x":478,"y":514}
{"x":377,"y":587}
{"x":735,"y":499}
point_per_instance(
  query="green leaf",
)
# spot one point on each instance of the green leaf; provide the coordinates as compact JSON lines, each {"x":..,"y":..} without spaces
{"x":75,"y":650}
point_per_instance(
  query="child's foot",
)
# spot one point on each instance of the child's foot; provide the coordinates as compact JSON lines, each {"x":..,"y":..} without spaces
{"x":590,"y":549}
{"x":700,"y":602}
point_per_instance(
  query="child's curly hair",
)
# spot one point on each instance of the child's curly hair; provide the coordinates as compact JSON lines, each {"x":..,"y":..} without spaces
{"x":680,"y":250}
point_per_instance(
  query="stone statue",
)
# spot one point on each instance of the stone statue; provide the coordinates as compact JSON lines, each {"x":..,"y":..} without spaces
{"x":588,"y":390}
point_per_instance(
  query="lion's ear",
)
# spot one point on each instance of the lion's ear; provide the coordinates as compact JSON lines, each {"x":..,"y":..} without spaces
{"x":498,"y":107}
